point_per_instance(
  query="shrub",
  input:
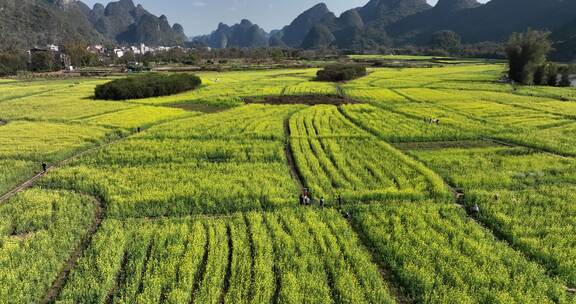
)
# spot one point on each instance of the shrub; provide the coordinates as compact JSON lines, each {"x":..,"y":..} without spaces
{"x":341,"y":72}
{"x":147,"y":85}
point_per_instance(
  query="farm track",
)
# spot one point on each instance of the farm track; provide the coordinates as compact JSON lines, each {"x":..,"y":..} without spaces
{"x":30,"y":182}
{"x":514,"y":145}
{"x":460,"y":201}
{"x":62,"y":277}
{"x":295,"y":172}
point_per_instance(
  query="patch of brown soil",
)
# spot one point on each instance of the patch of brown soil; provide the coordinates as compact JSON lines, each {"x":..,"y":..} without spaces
{"x":197,"y":107}
{"x":303,"y":99}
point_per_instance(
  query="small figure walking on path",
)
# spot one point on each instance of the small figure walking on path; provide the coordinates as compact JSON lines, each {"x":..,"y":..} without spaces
{"x":476,"y":209}
{"x":44,"y":167}
{"x":139,"y":129}
{"x":322,"y":202}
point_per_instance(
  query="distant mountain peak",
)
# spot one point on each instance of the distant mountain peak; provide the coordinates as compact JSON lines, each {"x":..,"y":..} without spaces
{"x":390,"y":11}
{"x":246,"y":22}
{"x":295,"y":33}
{"x":456,"y":5}
{"x":244,"y":34}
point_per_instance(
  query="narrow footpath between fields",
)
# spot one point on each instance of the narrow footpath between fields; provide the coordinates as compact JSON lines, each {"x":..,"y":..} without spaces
{"x":294,"y":171}
{"x":30,"y":182}
{"x":54,"y":290}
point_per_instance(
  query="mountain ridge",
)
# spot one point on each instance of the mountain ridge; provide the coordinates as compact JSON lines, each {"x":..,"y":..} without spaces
{"x":28,"y":23}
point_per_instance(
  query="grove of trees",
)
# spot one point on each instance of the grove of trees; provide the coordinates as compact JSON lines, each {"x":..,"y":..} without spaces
{"x":341,"y":72}
{"x":147,"y":85}
{"x":528,"y":61}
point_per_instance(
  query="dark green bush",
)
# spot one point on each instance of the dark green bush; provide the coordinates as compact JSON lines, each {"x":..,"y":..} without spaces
{"x":147,"y":85}
{"x":341,"y":72}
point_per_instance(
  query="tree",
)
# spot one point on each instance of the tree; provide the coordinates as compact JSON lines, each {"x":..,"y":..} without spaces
{"x":446,"y":40}
{"x":565,"y":79}
{"x":43,"y":61}
{"x":79,"y":54}
{"x":541,"y":75}
{"x":526,"y":52}
{"x":11,"y":62}
{"x":552,"y":75}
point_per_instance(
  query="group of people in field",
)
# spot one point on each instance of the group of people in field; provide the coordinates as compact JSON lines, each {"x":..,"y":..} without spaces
{"x":307,"y":200}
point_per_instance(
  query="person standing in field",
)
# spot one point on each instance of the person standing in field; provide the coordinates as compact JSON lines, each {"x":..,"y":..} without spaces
{"x":339,"y":200}
{"x":322,"y":202}
{"x":44,"y":167}
{"x":476,"y":209}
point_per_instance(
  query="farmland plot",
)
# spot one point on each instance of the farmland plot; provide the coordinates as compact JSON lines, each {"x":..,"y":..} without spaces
{"x":337,"y":158}
{"x":237,"y":259}
{"x":440,"y":256}
{"x":515,"y":186}
{"x":63,"y":105}
{"x":38,"y":231}
{"x":218,"y":163}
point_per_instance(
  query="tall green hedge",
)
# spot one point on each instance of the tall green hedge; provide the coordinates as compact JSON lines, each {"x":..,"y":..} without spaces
{"x":341,"y":72}
{"x":147,"y":85}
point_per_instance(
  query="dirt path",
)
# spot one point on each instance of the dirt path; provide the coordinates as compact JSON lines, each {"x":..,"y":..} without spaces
{"x":30,"y":182}
{"x":310,"y":100}
{"x":513,"y":145}
{"x":290,"y":157}
{"x":62,"y":277}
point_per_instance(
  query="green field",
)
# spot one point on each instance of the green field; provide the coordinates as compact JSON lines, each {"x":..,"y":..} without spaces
{"x":194,"y":197}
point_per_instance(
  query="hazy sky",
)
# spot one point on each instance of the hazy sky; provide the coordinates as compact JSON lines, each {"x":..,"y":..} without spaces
{"x":202,"y":16}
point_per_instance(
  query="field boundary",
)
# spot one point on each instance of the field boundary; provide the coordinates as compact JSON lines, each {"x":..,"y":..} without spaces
{"x":294,"y":170}
{"x":62,"y":278}
{"x":305,"y":99}
{"x":516,"y":145}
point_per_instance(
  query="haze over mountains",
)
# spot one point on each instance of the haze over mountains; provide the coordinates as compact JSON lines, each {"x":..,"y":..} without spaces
{"x":378,"y":23}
